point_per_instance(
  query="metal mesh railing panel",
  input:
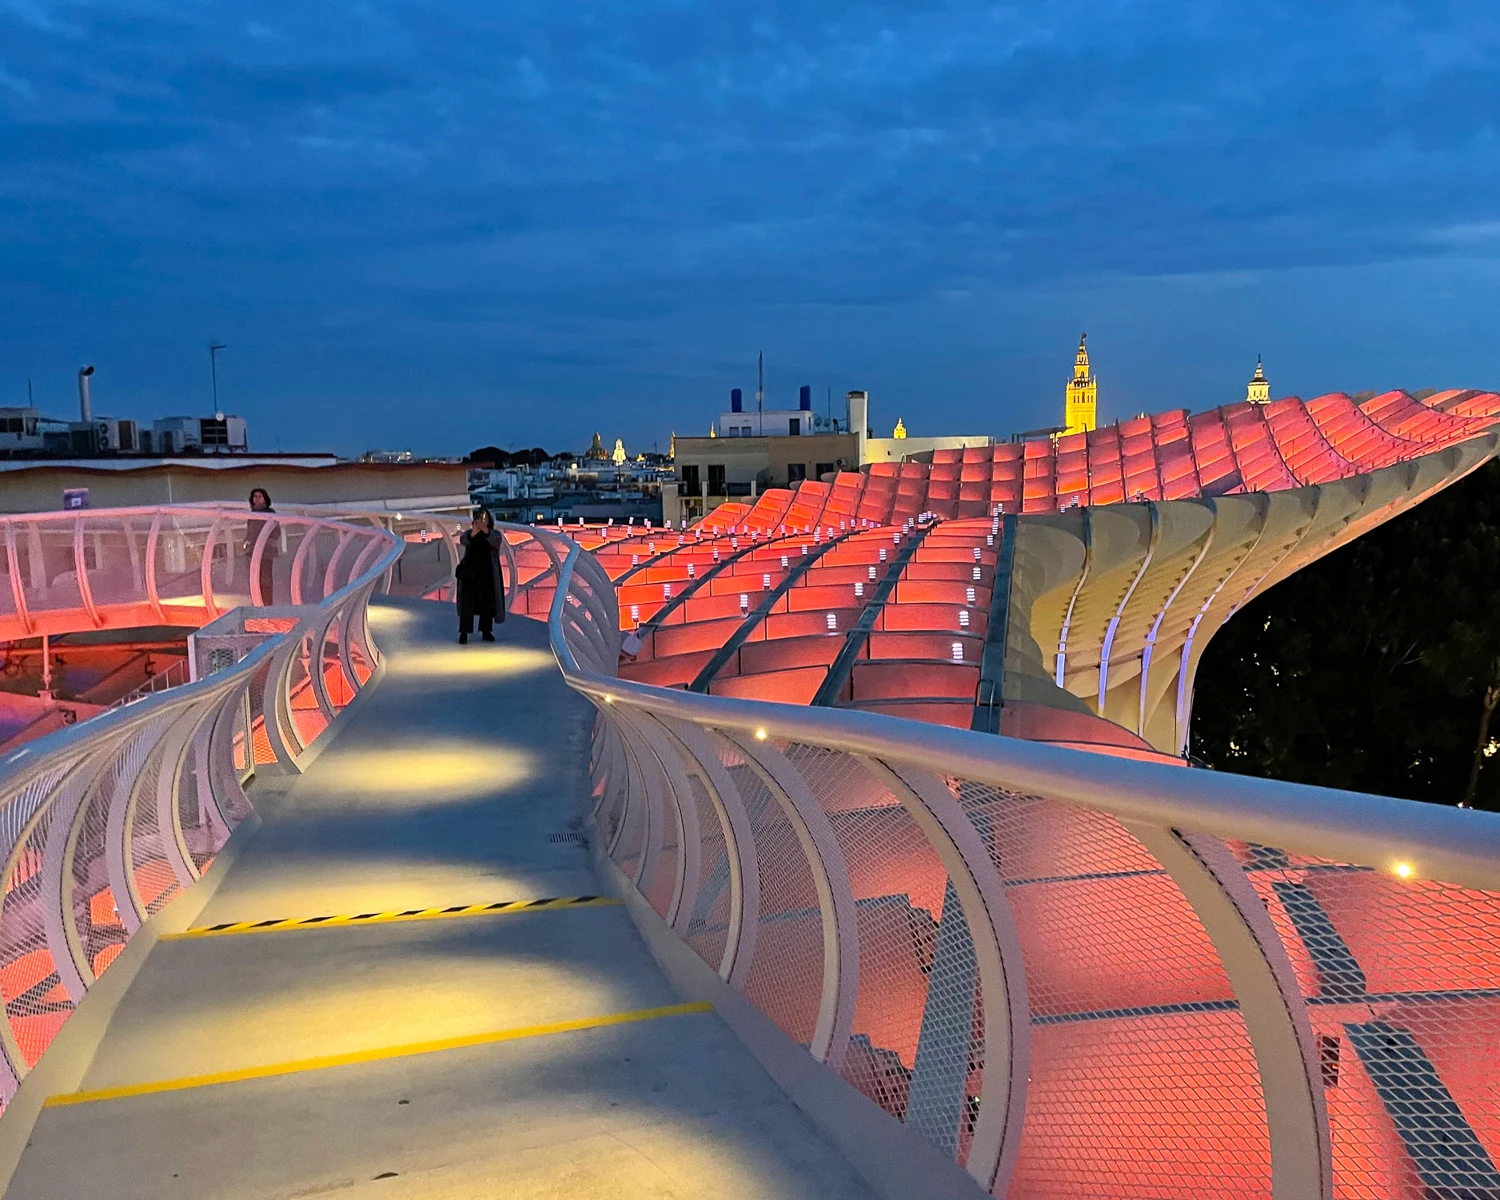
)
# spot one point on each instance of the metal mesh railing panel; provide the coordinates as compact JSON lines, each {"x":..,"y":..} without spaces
{"x":260,"y":740}
{"x":610,"y":812}
{"x":151,"y":871}
{"x":95,"y":909}
{"x":632,"y":819}
{"x":899,"y":890}
{"x":785,"y":980}
{"x":336,"y":683}
{"x":422,"y":567}
{"x":708,"y":928}
{"x":1402,"y":982}
{"x":661,"y":884}
{"x":307,"y":716}
{"x":112,"y":576}
{"x":358,"y":633}
{"x":52,"y":565}
{"x":233,"y":803}
{"x":915,"y":1048}
{"x":179,"y":559}
{"x":1143,"y":1079}
{"x":36,"y":1002}
{"x":200,"y":833}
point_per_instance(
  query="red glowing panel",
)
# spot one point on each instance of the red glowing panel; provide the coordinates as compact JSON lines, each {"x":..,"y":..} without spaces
{"x":797,"y":685}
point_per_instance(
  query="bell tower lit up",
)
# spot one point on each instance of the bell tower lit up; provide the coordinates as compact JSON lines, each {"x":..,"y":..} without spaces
{"x":1080,"y":413}
{"x":1259,"y":389}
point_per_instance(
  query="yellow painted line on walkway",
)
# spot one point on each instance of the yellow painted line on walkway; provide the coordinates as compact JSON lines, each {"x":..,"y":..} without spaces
{"x":324,"y":1062}
{"x":288,"y":924}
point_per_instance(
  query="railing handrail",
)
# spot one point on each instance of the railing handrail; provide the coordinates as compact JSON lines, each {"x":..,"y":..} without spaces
{"x":149,"y":686}
{"x":1459,"y":846}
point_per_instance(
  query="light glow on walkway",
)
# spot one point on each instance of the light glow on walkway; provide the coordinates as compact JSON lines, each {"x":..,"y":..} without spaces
{"x":433,"y":772}
{"x":494,"y":662}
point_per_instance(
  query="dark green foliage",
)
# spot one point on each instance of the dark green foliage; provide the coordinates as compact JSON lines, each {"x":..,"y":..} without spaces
{"x":497,"y":457}
{"x":1376,"y":668}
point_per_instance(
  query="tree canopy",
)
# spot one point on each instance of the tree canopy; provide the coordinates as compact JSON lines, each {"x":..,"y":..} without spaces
{"x":534,"y":457}
{"x":1376,"y":668}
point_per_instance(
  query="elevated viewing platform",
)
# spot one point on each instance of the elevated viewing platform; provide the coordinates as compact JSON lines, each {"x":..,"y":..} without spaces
{"x":843,"y":844}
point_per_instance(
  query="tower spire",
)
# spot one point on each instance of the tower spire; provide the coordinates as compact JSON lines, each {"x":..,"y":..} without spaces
{"x":1259,"y":389}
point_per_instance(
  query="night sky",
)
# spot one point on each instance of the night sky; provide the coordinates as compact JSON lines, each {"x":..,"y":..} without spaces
{"x":437,"y":226}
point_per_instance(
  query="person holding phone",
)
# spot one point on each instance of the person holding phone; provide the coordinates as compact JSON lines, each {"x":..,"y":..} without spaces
{"x":480,"y":594}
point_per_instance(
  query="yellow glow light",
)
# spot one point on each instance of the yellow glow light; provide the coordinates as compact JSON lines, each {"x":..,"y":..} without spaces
{"x":609,"y":699}
{"x":426,"y":774}
{"x":494,"y":661}
{"x":1403,"y":869}
{"x":760,"y":735}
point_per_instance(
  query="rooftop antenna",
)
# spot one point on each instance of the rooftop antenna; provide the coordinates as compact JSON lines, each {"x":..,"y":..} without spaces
{"x":760,"y":392}
{"x":213,"y":370}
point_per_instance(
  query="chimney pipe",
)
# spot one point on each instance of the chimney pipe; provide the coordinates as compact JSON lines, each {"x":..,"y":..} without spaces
{"x":736,"y":400}
{"x":859,"y":417}
{"x":85,"y":409}
{"x":804,"y":398}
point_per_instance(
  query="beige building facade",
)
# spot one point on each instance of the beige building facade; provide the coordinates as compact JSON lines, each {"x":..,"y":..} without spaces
{"x":711,"y":470}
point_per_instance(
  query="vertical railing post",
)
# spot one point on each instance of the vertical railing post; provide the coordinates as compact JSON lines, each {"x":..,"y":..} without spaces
{"x":739,"y":845}
{"x":168,"y":800}
{"x":57,"y":870}
{"x":977,"y":894}
{"x":1270,"y":1001}
{"x":330,"y":574}
{"x":117,"y":826}
{"x":206,"y":571}
{"x":80,"y":567}
{"x":17,"y":584}
{"x":830,"y":873}
{"x":276,"y":712}
{"x":268,"y":530}
{"x":153,"y":592}
{"x":680,"y":810}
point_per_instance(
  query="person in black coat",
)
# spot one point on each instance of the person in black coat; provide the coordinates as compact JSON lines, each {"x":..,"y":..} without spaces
{"x":481,"y":586}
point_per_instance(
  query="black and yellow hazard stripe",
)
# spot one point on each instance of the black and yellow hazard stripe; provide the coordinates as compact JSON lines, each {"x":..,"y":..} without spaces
{"x":290,"y":924}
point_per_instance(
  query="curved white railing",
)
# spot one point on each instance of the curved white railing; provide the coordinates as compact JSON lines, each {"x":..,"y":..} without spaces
{"x":103,"y":823}
{"x":68,"y":572}
{"x":1063,"y":974}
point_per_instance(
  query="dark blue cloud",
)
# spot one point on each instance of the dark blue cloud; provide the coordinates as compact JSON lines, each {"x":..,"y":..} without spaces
{"x":450,"y":224}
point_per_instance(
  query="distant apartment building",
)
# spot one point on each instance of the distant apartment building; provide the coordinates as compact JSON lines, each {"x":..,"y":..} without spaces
{"x":26,"y":433}
{"x":737,"y":462}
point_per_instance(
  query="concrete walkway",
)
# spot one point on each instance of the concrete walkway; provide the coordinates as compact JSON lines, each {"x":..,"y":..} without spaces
{"x":452,"y":783}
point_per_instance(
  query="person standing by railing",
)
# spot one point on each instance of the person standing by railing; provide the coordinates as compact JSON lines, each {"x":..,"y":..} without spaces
{"x":260,"y":503}
{"x":481,"y":588}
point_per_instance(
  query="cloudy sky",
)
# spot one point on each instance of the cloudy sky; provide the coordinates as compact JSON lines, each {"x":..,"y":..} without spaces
{"x":441,"y":225}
